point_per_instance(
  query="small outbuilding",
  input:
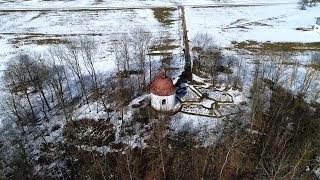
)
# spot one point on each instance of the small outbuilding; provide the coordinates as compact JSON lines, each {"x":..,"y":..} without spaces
{"x":317,"y":25}
{"x":163,"y":92}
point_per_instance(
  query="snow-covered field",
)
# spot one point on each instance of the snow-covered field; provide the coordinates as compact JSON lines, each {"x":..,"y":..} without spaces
{"x":275,"y":23}
{"x":125,"y":3}
{"x":26,"y":24}
{"x":25,"y":31}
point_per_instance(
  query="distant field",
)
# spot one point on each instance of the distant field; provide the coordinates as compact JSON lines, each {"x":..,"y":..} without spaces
{"x":23,"y":31}
{"x":265,"y":47}
{"x":269,"y":23}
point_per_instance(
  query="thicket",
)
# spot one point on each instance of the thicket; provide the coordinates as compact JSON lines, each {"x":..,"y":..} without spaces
{"x":303,"y":4}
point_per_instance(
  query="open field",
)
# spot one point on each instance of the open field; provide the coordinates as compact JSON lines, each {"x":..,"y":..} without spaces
{"x":126,"y":4}
{"x":271,"y":23}
{"x":37,"y":30}
{"x":32,"y":25}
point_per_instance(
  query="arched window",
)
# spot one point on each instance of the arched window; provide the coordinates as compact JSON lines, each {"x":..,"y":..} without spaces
{"x":163,"y":102}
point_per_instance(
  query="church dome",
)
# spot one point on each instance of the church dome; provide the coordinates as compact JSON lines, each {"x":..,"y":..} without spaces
{"x":162,"y":85}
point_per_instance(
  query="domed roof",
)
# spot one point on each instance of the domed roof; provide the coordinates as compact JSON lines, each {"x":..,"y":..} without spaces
{"x":162,"y":85}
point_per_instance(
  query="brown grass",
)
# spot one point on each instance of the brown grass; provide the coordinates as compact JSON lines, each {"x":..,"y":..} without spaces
{"x":50,"y":41}
{"x":164,"y":15}
{"x":255,"y":46}
{"x":163,"y":47}
{"x":314,"y":66}
{"x":43,"y":39}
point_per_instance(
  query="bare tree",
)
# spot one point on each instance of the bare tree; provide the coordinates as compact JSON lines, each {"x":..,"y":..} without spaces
{"x":259,"y":97}
{"x":275,"y":68}
{"x":233,"y":143}
{"x":302,"y":4}
{"x":56,"y":59}
{"x":309,"y":76}
{"x":236,"y":144}
{"x":158,"y":151}
{"x":315,"y":90}
{"x":211,"y":61}
{"x":200,"y":43}
{"x":18,"y":162}
{"x":141,"y":40}
{"x":315,"y":59}
{"x":125,"y":51}
{"x":117,"y":58}
{"x":17,"y":78}
{"x":202,"y":40}
{"x":230,"y":61}
{"x":123,"y":48}
{"x":70,"y":53}
{"x":38,"y":75}
{"x":88,"y":48}
{"x":294,"y":75}
{"x":58,"y":80}
{"x":129,"y":164}
{"x":240,"y":73}
{"x":306,"y":149}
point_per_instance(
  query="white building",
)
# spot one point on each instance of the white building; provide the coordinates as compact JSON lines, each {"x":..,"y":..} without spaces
{"x":163,"y":92}
{"x":317,"y":25}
